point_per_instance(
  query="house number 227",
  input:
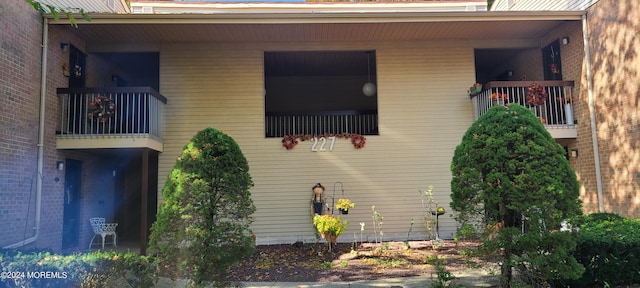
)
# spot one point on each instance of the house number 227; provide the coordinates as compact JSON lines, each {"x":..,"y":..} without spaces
{"x":320,"y":143}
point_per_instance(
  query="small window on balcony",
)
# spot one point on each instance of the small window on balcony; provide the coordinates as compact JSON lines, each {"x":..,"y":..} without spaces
{"x":320,"y":92}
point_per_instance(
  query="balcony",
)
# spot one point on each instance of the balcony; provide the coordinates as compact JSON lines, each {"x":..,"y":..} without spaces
{"x":556,"y":113}
{"x":319,"y":123}
{"x":110,"y":117}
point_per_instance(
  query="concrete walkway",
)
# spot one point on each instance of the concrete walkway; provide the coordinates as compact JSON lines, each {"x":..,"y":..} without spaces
{"x":466,"y":278}
{"x":470,"y":278}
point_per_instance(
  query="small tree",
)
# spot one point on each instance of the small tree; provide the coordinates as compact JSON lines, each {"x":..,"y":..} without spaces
{"x":203,"y":225}
{"x":509,"y":174}
{"x":429,"y":205}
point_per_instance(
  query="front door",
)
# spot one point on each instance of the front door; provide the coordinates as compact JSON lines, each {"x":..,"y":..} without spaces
{"x":71,"y":218}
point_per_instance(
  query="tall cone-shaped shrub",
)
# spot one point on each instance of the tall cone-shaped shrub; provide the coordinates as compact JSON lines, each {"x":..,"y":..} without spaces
{"x":202,"y":227}
{"x":510,"y":176}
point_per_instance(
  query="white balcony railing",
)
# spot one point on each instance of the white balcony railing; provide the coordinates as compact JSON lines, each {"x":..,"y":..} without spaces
{"x":135,"y":112}
{"x":556,"y":113}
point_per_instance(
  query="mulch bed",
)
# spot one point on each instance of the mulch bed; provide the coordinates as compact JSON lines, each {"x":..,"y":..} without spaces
{"x":314,"y":263}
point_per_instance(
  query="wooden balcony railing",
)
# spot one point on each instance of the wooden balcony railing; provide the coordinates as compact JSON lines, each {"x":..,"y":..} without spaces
{"x":556,"y":111}
{"x":122,"y":111}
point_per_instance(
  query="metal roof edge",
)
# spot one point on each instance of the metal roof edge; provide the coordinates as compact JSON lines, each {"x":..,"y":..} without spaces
{"x":217,"y":5}
{"x":307,"y":15}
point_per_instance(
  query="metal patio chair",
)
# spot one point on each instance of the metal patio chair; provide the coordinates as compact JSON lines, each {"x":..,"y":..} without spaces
{"x":103,"y":229}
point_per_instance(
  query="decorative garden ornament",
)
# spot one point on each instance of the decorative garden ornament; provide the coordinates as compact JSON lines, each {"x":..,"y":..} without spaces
{"x":317,"y":199}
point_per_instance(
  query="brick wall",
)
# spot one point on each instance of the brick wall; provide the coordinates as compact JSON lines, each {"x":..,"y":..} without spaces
{"x":615,"y":58}
{"x":97,"y":180}
{"x":615,"y":61}
{"x":20,"y":39}
{"x":573,"y":68}
{"x":53,"y":191}
{"x":20,"y":85}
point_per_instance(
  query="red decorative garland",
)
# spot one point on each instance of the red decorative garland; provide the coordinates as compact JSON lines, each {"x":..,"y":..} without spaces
{"x":358,"y":141}
{"x":290,"y":141}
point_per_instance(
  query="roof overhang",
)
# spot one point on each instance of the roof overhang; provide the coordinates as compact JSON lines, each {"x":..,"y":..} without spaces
{"x":322,"y":13}
{"x":321,"y":22}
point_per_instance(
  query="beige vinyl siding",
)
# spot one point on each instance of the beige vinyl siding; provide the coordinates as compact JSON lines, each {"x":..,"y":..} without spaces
{"x":423,"y":112}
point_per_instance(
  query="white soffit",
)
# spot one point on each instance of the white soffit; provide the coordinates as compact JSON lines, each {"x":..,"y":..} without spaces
{"x":318,"y":22}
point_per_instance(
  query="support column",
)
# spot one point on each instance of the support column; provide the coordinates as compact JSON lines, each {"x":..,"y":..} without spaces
{"x":144,"y":194}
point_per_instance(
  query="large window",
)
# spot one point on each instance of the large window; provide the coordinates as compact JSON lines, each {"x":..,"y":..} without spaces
{"x":320,"y":92}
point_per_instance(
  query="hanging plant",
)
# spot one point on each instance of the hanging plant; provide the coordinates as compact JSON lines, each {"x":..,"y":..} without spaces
{"x":344,"y":204}
{"x":536,"y":95}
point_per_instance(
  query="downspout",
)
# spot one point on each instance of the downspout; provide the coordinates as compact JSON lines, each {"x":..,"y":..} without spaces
{"x":592,"y":112}
{"x":41,"y":126}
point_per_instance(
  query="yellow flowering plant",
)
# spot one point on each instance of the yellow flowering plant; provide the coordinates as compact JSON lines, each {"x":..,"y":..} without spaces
{"x":329,"y":225}
{"x":345,"y":204}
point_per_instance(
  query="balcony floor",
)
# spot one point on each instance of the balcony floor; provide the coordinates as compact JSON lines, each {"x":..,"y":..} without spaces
{"x":562,"y":131}
{"x":95,"y":141}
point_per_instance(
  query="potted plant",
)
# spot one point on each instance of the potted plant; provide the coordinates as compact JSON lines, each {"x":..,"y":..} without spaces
{"x":499,"y":98}
{"x":329,"y":226}
{"x":475,"y":89}
{"x":344,"y":205}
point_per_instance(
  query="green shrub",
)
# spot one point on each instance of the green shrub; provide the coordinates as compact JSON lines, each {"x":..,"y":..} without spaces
{"x":203,"y":227}
{"x":511,"y":176}
{"x":465,"y":232}
{"x":595,"y":218}
{"x":609,"y":248}
{"x":97,"y":269}
{"x":445,"y":278}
